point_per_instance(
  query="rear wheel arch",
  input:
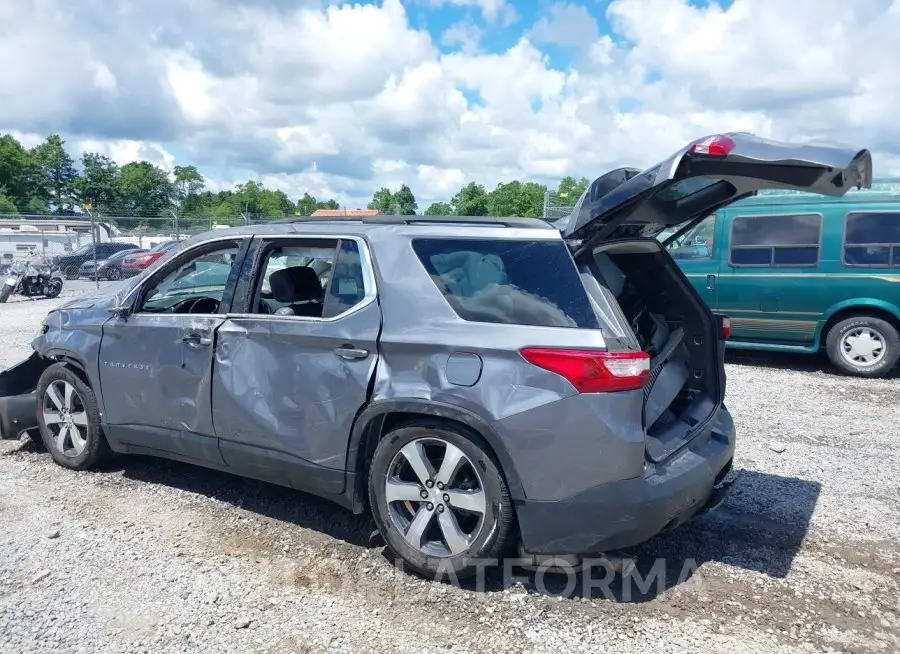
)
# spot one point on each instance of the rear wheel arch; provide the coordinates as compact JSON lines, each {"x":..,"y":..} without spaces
{"x":854,"y":310}
{"x":380,"y":418}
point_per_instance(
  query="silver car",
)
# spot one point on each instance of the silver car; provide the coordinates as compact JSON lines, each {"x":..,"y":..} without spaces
{"x":476,"y":384}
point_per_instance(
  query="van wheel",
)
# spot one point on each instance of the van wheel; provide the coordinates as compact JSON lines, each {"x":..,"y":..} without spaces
{"x":864,"y":346}
{"x":69,"y":419}
{"x":439,"y":499}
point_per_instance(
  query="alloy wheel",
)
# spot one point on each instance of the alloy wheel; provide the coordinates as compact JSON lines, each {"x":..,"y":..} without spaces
{"x":435,"y":497}
{"x":65,"y":417}
{"x":862,"y":346}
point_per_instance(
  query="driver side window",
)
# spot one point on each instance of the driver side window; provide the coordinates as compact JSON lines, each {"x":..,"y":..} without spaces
{"x":197,"y":285}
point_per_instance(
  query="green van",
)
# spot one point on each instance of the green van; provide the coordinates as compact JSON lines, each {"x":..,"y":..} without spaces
{"x":799,"y":272}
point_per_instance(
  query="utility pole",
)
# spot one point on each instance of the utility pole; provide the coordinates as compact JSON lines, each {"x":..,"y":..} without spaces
{"x":87,"y":207}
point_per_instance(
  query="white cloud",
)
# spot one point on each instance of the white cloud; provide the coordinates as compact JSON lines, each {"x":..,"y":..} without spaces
{"x":567,"y":24}
{"x":341,"y":99}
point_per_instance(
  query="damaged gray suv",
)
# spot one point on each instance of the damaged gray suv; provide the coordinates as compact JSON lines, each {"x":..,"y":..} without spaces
{"x":476,"y":384}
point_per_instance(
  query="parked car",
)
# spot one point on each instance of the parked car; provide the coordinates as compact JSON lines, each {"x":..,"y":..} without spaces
{"x":474,"y":383}
{"x":70,"y":265}
{"x":802,"y":273}
{"x":133,"y":265}
{"x":109,"y":268}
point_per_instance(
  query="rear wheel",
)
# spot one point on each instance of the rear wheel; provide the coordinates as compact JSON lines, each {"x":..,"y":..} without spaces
{"x":69,"y":419}
{"x":5,"y":291}
{"x":54,"y":288}
{"x":439,"y":499}
{"x":864,"y":346}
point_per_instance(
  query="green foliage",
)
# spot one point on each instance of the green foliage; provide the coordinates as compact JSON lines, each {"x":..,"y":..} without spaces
{"x":57,"y":173}
{"x":45,"y":179}
{"x":470,"y":201}
{"x":570,"y":189}
{"x":383,"y":200}
{"x":439,"y":209}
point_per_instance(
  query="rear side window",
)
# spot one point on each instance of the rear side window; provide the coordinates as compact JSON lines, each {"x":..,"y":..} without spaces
{"x":776,"y":240}
{"x":508,"y":281}
{"x":872,"y":239}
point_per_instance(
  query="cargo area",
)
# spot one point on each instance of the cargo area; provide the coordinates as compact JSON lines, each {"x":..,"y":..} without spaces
{"x":648,"y":304}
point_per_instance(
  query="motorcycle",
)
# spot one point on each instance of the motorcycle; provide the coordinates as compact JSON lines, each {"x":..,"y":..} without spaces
{"x":24,"y":278}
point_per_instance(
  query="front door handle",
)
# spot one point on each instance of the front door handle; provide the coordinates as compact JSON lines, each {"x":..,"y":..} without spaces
{"x":196,"y":340}
{"x":350,"y":352}
{"x":710,"y":282}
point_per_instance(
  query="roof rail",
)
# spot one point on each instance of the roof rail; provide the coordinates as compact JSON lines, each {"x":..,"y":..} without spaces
{"x":527,"y":223}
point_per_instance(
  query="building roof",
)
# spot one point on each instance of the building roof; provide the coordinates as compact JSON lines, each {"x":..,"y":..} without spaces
{"x":346,"y":212}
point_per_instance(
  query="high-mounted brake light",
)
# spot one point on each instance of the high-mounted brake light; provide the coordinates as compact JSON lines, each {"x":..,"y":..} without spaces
{"x":593,"y":371}
{"x":713,"y":146}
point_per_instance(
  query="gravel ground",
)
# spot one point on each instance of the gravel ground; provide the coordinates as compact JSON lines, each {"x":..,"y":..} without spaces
{"x":153,"y":556}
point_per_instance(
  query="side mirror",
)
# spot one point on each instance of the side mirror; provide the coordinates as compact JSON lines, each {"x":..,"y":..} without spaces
{"x":119,"y":311}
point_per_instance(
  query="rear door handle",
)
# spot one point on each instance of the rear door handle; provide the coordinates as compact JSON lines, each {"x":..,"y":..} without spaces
{"x":350,"y":352}
{"x":196,"y":340}
{"x":710,"y":282}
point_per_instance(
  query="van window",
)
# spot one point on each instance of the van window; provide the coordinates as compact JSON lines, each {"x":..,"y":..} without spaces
{"x":776,"y":240}
{"x":872,"y":239}
{"x":508,"y":281}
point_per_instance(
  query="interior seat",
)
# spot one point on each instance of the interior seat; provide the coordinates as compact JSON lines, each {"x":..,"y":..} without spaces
{"x":298,"y":287}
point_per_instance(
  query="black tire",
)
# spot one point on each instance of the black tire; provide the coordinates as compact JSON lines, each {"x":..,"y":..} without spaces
{"x":114,"y":274}
{"x":883,"y":329}
{"x":95,"y":449}
{"x":54,"y":288}
{"x":5,"y":291}
{"x":71,"y":272}
{"x":489,"y":541}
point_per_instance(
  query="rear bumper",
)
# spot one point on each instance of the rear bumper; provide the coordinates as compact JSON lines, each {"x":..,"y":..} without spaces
{"x":628,"y":512}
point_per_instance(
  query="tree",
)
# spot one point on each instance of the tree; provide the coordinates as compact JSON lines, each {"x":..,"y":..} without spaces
{"x":58,"y":172}
{"x":439,"y":209}
{"x":383,"y":200}
{"x":99,"y":183}
{"x":517,"y":199}
{"x":19,"y":173}
{"x":6,"y":203}
{"x":470,"y":201}
{"x":146,"y":190}
{"x":570,"y":189}
{"x":307,"y":204}
{"x":405,"y":201}
{"x":188,"y":182}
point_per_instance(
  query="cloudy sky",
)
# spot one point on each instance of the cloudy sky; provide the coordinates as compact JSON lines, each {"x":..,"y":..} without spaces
{"x":339,"y":99}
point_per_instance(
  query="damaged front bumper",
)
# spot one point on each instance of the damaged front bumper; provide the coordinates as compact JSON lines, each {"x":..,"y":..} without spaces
{"x":18,"y":400}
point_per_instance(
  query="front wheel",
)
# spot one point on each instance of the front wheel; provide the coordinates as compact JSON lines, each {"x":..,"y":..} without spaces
{"x":439,"y":499}
{"x":71,"y":272}
{"x":5,"y":292}
{"x":113,"y":274}
{"x":69,"y":419}
{"x":864,"y":346}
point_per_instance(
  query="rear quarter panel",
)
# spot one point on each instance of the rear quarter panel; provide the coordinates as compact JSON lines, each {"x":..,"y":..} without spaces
{"x":557,"y":442}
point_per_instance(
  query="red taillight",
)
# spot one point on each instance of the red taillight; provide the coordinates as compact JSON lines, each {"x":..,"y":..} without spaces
{"x":713,"y":146}
{"x":726,"y":327}
{"x":593,"y":371}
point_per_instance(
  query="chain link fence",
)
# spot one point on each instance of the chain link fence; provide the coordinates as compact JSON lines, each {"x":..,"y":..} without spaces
{"x":557,"y":205}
